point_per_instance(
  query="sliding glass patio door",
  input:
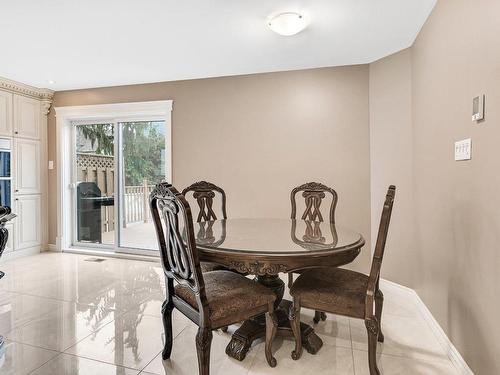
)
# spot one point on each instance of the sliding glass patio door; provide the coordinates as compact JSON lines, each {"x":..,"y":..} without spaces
{"x":142,"y":166}
{"x":116,"y":165}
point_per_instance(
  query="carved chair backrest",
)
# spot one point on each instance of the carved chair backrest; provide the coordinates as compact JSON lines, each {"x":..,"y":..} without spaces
{"x":204,"y":192}
{"x":313,"y":194}
{"x":382,"y":235}
{"x":179,"y":255}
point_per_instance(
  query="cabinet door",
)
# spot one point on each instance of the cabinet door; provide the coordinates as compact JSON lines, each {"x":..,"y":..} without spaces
{"x":6,"y":113}
{"x":27,"y":231}
{"x":27,"y":166}
{"x":26,"y":117}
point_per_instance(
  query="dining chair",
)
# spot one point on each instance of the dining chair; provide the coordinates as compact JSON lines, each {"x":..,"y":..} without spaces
{"x":313,"y":194}
{"x":204,"y":193}
{"x":344,"y":292}
{"x":211,"y":300}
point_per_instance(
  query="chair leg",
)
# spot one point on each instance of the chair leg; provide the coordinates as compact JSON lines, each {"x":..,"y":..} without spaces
{"x":166,"y":312}
{"x":290,"y":279}
{"x":271,"y":328}
{"x":379,"y":303}
{"x":295,"y":324}
{"x":203,"y":344}
{"x":319,"y":316}
{"x":372,"y":328}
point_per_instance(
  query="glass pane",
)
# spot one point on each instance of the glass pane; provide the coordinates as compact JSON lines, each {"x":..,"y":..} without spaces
{"x":5,"y":193}
{"x":95,"y":174}
{"x":143,"y":145}
{"x":4,"y":164}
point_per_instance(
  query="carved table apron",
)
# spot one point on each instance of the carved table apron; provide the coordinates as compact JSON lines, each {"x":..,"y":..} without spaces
{"x":267,"y":247}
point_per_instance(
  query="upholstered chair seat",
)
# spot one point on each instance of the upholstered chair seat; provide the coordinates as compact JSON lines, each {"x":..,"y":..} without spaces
{"x":344,"y":289}
{"x":228,"y":293}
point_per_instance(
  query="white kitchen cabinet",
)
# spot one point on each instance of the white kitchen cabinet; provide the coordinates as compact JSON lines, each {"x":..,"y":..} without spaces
{"x":27,"y":226}
{"x":27,"y":113}
{"x":23,"y":124}
{"x":6,"y":127}
{"x":26,"y":166}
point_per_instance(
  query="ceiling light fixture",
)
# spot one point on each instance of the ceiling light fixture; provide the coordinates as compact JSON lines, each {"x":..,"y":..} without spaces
{"x":51,"y":82}
{"x":287,"y":24}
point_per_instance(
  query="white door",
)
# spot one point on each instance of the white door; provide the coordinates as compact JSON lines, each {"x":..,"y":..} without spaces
{"x":6,"y":113}
{"x":27,"y":223}
{"x":26,"y":117}
{"x":27,"y":166}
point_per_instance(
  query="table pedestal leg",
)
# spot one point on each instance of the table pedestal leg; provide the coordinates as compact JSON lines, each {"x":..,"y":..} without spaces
{"x":255,"y":328}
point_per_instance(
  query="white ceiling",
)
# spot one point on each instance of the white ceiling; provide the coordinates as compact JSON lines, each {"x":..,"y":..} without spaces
{"x":91,"y":43}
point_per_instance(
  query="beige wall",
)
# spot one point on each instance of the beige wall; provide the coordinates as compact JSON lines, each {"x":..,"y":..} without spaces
{"x":456,"y":57}
{"x":391,"y":160}
{"x":258,"y":136}
{"x":456,"y":269}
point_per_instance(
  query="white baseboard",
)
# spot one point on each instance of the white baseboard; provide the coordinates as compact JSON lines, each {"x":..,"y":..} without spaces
{"x":52,"y":247}
{"x":109,"y":254}
{"x":452,"y":352}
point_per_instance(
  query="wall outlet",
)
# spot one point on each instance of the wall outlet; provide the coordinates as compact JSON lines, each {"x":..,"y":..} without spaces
{"x":463,"y":149}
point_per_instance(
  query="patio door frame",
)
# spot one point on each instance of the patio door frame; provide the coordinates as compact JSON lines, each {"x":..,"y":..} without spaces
{"x":66,"y":120}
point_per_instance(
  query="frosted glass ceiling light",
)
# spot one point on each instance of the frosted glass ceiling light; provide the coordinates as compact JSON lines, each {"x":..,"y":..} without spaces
{"x":287,"y":24}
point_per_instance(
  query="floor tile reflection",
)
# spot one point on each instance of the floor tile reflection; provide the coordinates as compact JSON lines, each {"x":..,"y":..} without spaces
{"x":20,"y":359}
{"x":66,"y":364}
{"x":131,"y":340}
{"x":62,"y":327}
{"x":65,"y":315}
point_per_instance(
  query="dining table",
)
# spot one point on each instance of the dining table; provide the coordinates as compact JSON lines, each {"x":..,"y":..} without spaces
{"x":266,"y":247}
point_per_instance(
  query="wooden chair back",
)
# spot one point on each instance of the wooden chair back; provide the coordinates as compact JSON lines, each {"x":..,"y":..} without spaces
{"x":179,"y":256}
{"x":382,"y":237}
{"x":204,"y":192}
{"x":313,"y":194}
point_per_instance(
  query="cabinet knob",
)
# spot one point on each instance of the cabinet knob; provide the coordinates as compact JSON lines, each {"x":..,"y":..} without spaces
{"x":17,"y":190}
{"x":16,"y":132}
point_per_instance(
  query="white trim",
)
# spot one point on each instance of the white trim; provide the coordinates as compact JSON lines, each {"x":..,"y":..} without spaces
{"x":122,"y":110}
{"x":52,"y":247}
{"x":25,"y":90}
{"x":116,"y":112}
{"x":453,"y":354}
{"x":120,"y":255}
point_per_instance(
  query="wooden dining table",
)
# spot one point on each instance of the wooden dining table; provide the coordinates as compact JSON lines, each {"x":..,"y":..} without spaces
{"x":267,"y":247}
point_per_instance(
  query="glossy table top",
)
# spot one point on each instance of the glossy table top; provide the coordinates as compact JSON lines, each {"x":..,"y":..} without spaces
{"x":275,"y":236}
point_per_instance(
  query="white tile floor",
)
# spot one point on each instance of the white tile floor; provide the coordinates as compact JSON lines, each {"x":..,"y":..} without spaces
{"x":63,"y":315}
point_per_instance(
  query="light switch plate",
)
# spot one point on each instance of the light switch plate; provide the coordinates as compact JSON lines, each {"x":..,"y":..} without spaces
{"x":51,"y":164}
{"x":463,"y":149}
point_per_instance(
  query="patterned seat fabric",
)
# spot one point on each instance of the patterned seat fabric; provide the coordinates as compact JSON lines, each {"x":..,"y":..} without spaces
{"x":335,"y":290}
{"x":228,"y":293}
